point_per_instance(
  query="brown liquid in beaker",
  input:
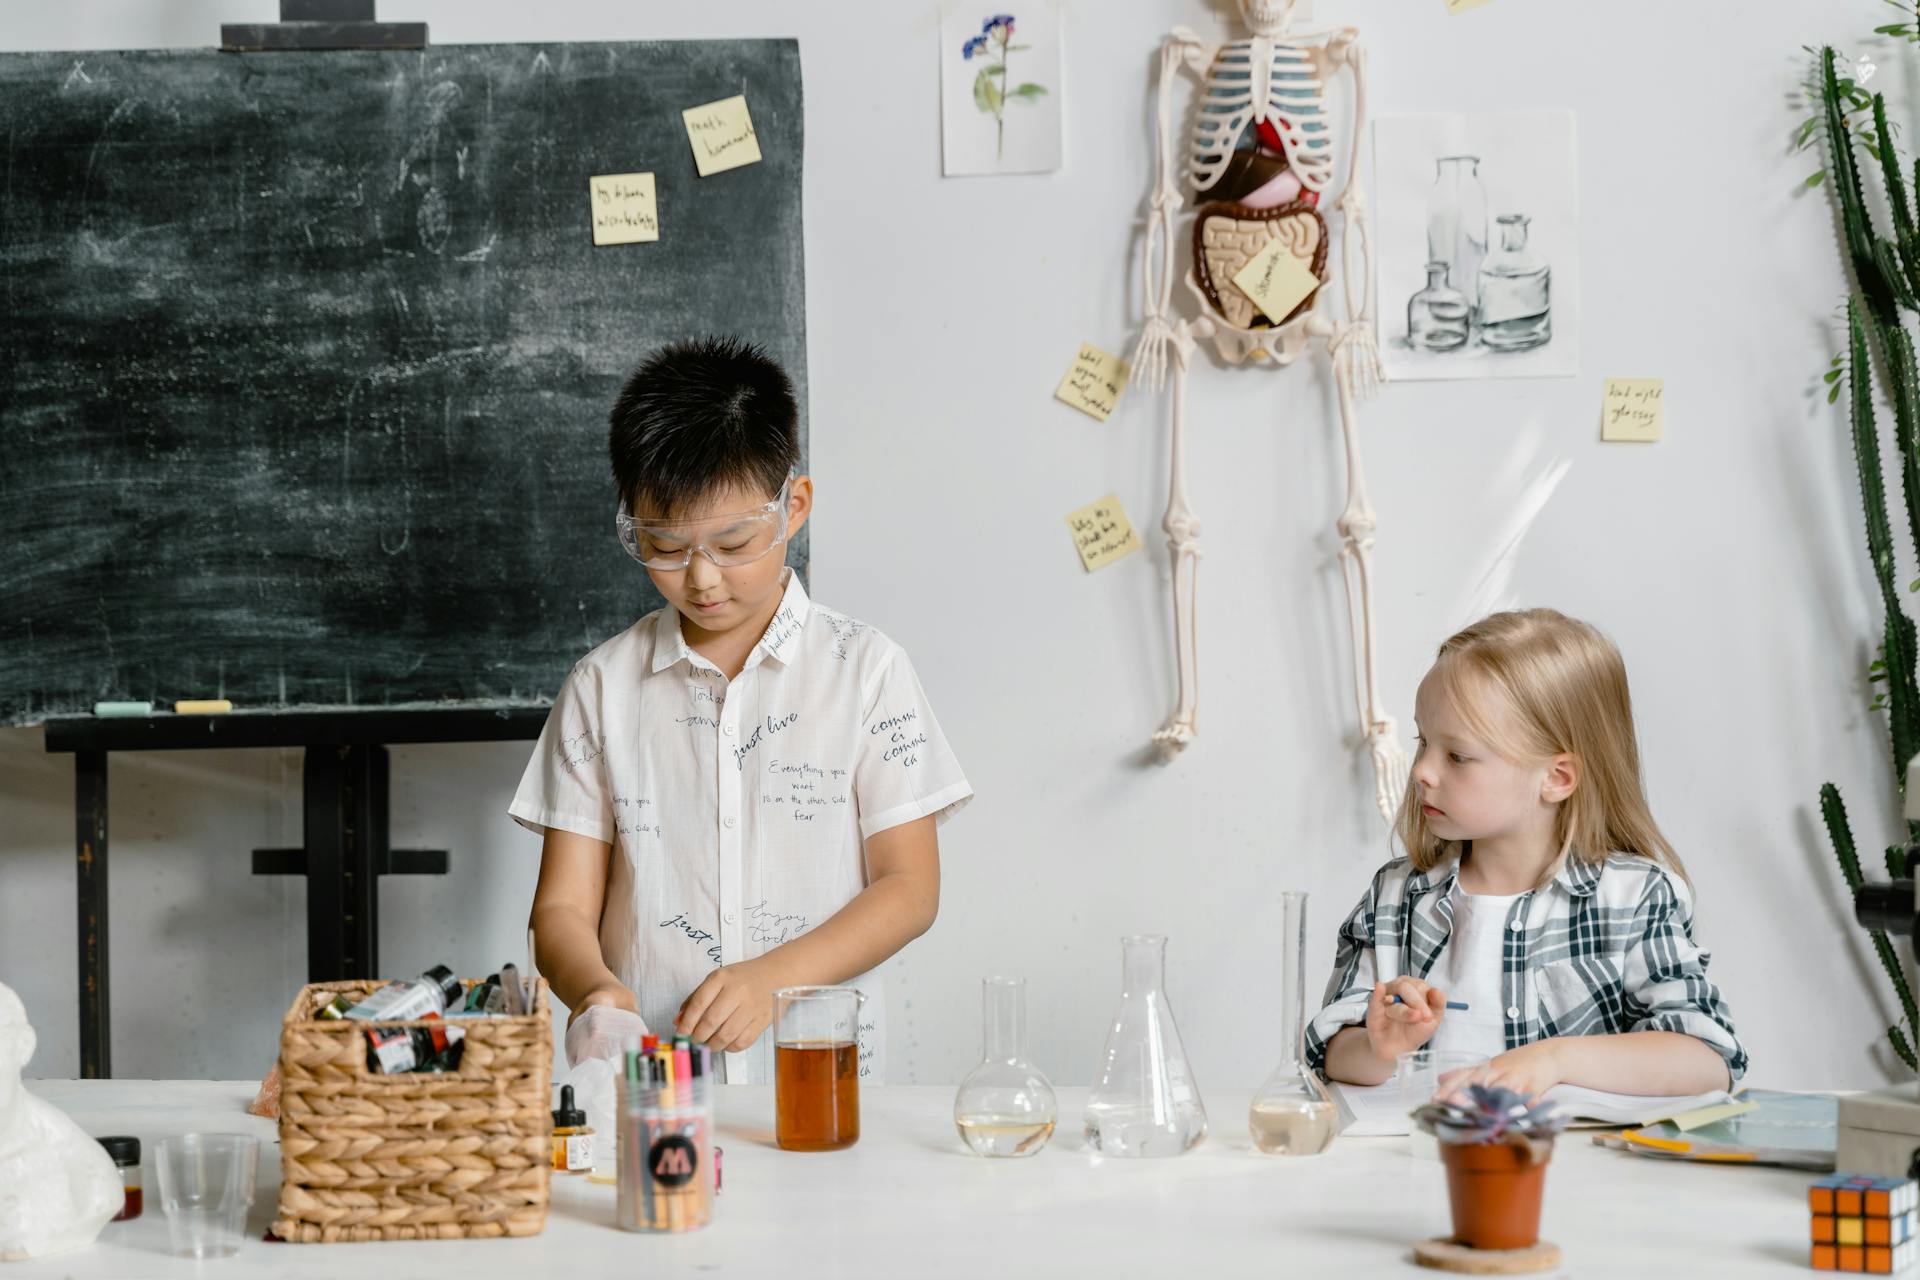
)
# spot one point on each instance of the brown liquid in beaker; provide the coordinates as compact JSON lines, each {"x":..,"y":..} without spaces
{"x":816,"y":1095}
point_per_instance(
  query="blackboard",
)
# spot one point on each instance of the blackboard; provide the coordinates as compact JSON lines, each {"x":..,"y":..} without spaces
{"x":307,"y":358}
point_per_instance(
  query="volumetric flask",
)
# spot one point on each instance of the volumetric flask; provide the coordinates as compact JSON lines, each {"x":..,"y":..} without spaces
{"x":1293,"y":1114}
{"x":816,"y":1067}
{"x":1144,"y":1101}
{"x":1005,"y":1107}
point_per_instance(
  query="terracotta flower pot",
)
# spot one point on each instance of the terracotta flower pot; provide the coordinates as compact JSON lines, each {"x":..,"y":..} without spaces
{"x":1495,"y":1190}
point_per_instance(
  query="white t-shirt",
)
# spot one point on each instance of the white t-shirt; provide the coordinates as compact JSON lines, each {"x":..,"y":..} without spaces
{"x":1469,"y":970}
{"x":737,"y":810}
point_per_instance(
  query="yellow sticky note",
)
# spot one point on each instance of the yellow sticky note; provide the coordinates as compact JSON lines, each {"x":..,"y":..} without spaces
{"x":1633,"y":410}
{"x":1461,"y":6}
{"x":1094,"y":383}
{"x":1102,"y":534}
{"x":722,"y":135}
{"x":1276,"y":280}
{"x":623,"y":210}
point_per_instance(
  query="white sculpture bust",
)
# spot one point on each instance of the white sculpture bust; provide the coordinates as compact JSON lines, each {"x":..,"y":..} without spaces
{"x":58,"y":1186}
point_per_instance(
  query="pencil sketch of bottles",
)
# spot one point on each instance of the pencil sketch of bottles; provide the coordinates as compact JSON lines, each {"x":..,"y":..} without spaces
{"x":1457,"y":220}
{"x":1473,"y":299}
{"x":1438,"y":315}
{"x":1515,"y":307}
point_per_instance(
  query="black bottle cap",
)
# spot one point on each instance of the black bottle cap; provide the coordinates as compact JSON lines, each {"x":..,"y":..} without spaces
{"x":568,"y":1116}
{"x":450,"y":989}
{"x":123,"y":1150}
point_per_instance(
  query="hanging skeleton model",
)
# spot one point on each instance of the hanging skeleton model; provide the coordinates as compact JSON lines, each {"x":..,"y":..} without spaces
{"x":1261,"y":159}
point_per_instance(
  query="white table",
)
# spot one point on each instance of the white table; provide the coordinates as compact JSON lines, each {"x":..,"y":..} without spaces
{"x":908,"y":1201}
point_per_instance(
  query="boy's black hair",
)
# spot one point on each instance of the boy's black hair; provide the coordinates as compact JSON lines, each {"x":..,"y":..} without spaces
{"x":698,"y":416}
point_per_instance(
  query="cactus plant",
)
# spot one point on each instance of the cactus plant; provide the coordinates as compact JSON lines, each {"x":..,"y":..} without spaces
{"x":1886,"y":276}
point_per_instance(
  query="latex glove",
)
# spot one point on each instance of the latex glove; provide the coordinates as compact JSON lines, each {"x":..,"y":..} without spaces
{"x":593,"y":1093}
{"x":602,"y":1031}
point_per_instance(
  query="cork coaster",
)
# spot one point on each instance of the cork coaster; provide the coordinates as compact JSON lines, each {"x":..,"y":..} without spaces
{"x":1444,"y":1254}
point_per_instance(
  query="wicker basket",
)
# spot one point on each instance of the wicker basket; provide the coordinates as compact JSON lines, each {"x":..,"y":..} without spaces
{"x":419,"y":1156}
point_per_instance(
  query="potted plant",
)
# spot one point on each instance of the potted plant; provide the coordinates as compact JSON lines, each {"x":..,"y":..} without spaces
{"x":1496,"y":1144}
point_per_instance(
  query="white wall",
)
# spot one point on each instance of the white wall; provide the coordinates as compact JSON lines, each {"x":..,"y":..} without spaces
{"x":1726,"y":561}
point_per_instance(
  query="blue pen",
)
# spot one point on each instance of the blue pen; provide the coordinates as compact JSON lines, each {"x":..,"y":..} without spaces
{"x":1451,"y":1004}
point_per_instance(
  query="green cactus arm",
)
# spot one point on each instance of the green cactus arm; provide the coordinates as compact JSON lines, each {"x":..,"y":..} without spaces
{"x":1901,"y":1047}
{"x":1873,"y":265}
{"x":1906,"y":238}
{"x":1903,"y":715}
{"x":1833,"y":811}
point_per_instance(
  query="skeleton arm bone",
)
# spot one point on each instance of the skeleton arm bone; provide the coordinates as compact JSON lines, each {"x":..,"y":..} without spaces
{"x":1353,"y":347}
{"x":1182,"y":46}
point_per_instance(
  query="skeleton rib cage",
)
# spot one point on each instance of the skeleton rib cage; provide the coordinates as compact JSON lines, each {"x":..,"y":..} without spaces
{"x":1290,"y":96}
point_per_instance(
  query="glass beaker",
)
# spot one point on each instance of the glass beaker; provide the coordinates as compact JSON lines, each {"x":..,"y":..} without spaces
{"x":1004,"y":1107}
{"x":1292,"y":1113}
{"x":1515,"y":291}
{"x":1144,"y":1102}
{"x":206,"y":1188}
{"x":816,"y":1067}
{"x":1457,"y":219}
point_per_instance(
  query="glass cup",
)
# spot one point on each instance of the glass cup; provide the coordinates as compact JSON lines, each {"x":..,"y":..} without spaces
{"x":206,"y":1187}
{"x":816,"y":1067}
{"x":1423,"y":1074}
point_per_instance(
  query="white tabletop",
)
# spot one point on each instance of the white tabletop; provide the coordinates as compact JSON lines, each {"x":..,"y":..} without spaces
{"x":909,"y":1201}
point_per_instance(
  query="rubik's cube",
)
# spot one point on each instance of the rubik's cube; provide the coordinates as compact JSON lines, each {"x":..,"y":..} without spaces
{"x":1863,"y":1224}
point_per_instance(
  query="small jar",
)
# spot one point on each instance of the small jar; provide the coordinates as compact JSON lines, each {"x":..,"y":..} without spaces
{"x":126,"y":1158}
{"x":572,"y":1136}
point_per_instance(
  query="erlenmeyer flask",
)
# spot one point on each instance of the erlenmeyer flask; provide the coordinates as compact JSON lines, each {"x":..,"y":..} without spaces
{"x":1005,"y":1107}
{"x":1292,"y":1113}
{"x":1144,"y":1102}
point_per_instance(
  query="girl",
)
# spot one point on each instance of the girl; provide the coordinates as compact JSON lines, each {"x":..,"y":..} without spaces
{"x":1536,"y":889}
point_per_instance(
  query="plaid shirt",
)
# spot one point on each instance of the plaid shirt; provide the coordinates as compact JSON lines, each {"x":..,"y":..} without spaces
{"x":1602,"y":948}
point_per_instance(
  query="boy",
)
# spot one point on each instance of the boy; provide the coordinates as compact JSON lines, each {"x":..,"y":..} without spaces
{"x":739,"y":792}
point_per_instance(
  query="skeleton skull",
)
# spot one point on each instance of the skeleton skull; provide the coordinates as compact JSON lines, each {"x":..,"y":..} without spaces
{"x":1266,"y":17}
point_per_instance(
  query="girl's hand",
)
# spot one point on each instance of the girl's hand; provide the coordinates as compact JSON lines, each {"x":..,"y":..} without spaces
{"x":1394,"y":1029}
{"x":1532,"y":1069}
{"x":612,"y":993}
{"x":731,"y":1008}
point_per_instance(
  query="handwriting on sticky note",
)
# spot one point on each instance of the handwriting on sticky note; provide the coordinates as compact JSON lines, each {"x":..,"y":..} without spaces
{"x":1276,"y":280}
{"x":1102,"y":533}
{"x":1094,"y":383}
{"x":623,"y":209}
{"x":1633,"y":410}
{"x":722,"y":135}
{"x":1461,"y":6}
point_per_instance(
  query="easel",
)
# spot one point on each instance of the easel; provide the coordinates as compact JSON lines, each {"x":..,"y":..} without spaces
{"x":322,"y":24}
{"x":346,"y":849}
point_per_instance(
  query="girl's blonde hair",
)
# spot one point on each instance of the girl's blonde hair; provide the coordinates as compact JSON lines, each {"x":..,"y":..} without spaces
{"x":1532,"y":684}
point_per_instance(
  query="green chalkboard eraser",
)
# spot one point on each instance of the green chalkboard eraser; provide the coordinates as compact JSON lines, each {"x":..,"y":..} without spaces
{"x":123,"y":708}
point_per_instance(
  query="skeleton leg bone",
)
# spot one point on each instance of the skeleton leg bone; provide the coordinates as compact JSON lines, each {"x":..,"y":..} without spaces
{"x":1183,"y":540}
{"x":1356,"y":525}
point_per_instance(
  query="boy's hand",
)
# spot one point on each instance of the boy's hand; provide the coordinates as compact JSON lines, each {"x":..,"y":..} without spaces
{"x":731,"y":1008}
{"x":1394,"y":1029}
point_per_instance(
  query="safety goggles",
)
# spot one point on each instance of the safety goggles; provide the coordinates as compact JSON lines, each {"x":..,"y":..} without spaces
{"x":727,"y":540}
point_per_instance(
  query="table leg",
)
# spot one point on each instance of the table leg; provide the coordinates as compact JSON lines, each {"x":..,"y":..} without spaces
{"x":346,"y":834}
{"x":90,"y":866}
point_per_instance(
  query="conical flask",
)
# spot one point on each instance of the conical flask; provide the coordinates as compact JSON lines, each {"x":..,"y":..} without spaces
{"x":1005,"y":1107}
{"x":1144,"y":1101}
{"x":1292,"y":1113}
